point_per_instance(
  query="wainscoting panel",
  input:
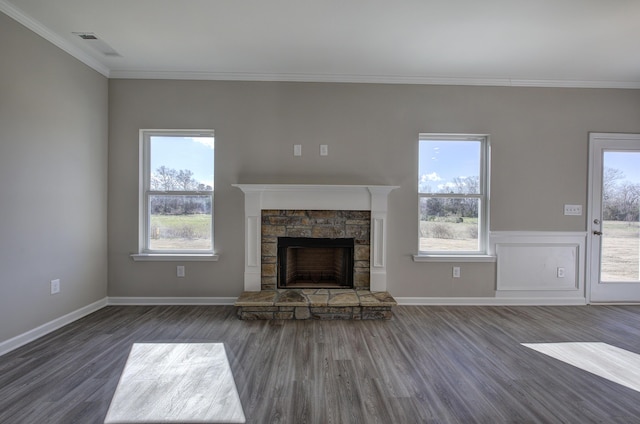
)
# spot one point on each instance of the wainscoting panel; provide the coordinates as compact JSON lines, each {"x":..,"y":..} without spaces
{"x":539,"y":263}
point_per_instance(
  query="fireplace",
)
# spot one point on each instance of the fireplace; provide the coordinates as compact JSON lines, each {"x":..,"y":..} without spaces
{"x":305,"y":262}
{"x":328,"y":245}
{"x":284,"y":202}
{"x":315,"y":252}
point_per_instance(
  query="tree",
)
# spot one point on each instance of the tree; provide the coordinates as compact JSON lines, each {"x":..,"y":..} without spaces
{"x":185,"y":181}
{"x":620,"y":198}
{"x":627,"y":201}
{"x":610,"y":178}
{"x":453,"y":206}
{"x":466,"y":185}
{"x":165,"y":179}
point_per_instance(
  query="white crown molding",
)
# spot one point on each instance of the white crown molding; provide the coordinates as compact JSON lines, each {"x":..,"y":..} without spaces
{"x":37,"y":27}
{"x":368,"y":79}
{"x":337,"y":78}
{"x":628,"y":85}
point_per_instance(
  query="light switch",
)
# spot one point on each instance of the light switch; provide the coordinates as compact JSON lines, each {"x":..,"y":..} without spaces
{"x":324,"y":150}
{"x":297,"y":150}
{"x":573,"y":210}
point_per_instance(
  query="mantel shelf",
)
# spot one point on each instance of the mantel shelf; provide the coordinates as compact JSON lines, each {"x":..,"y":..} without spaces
{"x":321,"y":187}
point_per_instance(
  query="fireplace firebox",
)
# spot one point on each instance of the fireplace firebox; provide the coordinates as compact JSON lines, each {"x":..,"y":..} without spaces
{"x":305,"y":262}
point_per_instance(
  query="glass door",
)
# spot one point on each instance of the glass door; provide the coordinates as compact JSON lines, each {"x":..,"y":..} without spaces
{"x":614,"y":218}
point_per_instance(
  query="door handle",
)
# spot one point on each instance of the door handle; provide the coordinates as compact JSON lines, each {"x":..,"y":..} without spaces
{"x":597,"y":233}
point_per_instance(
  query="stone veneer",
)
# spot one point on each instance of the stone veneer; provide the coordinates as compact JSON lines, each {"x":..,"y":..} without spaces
{"x":322,"y":304}
{"x":315,"y":224}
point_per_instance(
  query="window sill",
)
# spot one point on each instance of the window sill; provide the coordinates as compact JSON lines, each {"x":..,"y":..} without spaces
{"x":454,"y":258}
{"x":159,"y":257}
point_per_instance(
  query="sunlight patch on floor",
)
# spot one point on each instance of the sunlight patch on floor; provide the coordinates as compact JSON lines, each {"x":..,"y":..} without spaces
{"x":606,"y":361}
{"x":176,"y":383}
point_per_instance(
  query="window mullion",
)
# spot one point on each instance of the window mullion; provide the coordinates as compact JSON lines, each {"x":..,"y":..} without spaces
{"x":452,"y":196}
{"x":180,"y":193}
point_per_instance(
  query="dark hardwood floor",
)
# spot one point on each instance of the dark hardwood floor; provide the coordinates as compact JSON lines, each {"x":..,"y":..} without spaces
{"x":426,"y":365}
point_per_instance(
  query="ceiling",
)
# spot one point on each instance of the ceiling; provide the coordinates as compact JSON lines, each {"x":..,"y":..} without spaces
{"x":554,"y":43}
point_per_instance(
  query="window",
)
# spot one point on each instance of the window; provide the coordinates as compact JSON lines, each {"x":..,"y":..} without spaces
{"x":453,"y":194}
{"x":176,"y":191}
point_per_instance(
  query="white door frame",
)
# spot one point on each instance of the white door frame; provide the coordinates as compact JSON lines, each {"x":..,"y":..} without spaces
{"x":595,"y":188}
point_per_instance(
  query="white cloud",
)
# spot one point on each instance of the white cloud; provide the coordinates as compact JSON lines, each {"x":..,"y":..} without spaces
{"x":459,"y":184}
{"x":430,"y":177}
{"x":207,"y":141}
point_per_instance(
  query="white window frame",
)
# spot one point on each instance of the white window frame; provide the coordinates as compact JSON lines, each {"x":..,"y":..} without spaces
{"x":145,"y":253}
{"x":482,"y":254}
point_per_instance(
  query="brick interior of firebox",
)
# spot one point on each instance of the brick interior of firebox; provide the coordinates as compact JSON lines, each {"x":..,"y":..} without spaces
{"x":315,"y":267}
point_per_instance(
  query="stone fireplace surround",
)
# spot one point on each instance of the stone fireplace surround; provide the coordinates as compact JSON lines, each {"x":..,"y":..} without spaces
{"x":261,"y":302}
{"x":260,"y":197}
{"x":332,"y":224}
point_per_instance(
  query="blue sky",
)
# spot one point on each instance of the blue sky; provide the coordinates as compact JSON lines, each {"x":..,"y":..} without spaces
{"x":441,"y":161}
{"x":627,"y":162}
{"x":192,"y":153}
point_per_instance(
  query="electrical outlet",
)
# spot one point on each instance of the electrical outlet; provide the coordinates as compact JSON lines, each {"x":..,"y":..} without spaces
{"x":456,"y":272}
{"x":573,"y":210}
{"x":55,"y":286}
{"x":560,"y":272}
{"x":297,"y":150}
{"x":324,"y":150}
{"x":180,"y":270}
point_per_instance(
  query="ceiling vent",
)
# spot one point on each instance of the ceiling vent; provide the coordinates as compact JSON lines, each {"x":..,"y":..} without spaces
{"x":87,"y":36}
{"x":97,"y":44}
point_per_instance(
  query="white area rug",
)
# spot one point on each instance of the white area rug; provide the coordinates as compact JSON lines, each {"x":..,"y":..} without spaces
{"x":601,"y":359}
{"x":176,"y":383}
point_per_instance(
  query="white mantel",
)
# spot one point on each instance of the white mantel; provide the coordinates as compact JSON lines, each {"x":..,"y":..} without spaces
{"x":314,"y":197}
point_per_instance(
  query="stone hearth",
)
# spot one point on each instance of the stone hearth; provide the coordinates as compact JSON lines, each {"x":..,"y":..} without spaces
{"x":317,"y":211}
{"x":322,"y":304}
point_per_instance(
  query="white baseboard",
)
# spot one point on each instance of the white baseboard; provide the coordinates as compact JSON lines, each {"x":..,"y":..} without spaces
{"x":122,"y":301}
{"x":31,"y":335}
{"x":491,"y":301}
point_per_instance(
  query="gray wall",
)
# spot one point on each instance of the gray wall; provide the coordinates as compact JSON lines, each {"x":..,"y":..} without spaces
{"x":539,"y":140}
{"x":53,"y":181}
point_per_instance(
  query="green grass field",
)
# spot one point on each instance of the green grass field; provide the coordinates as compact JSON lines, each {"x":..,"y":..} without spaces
{"x":620,"y":251}
{"x":444,"y":235}
{"x":181,"y":231}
